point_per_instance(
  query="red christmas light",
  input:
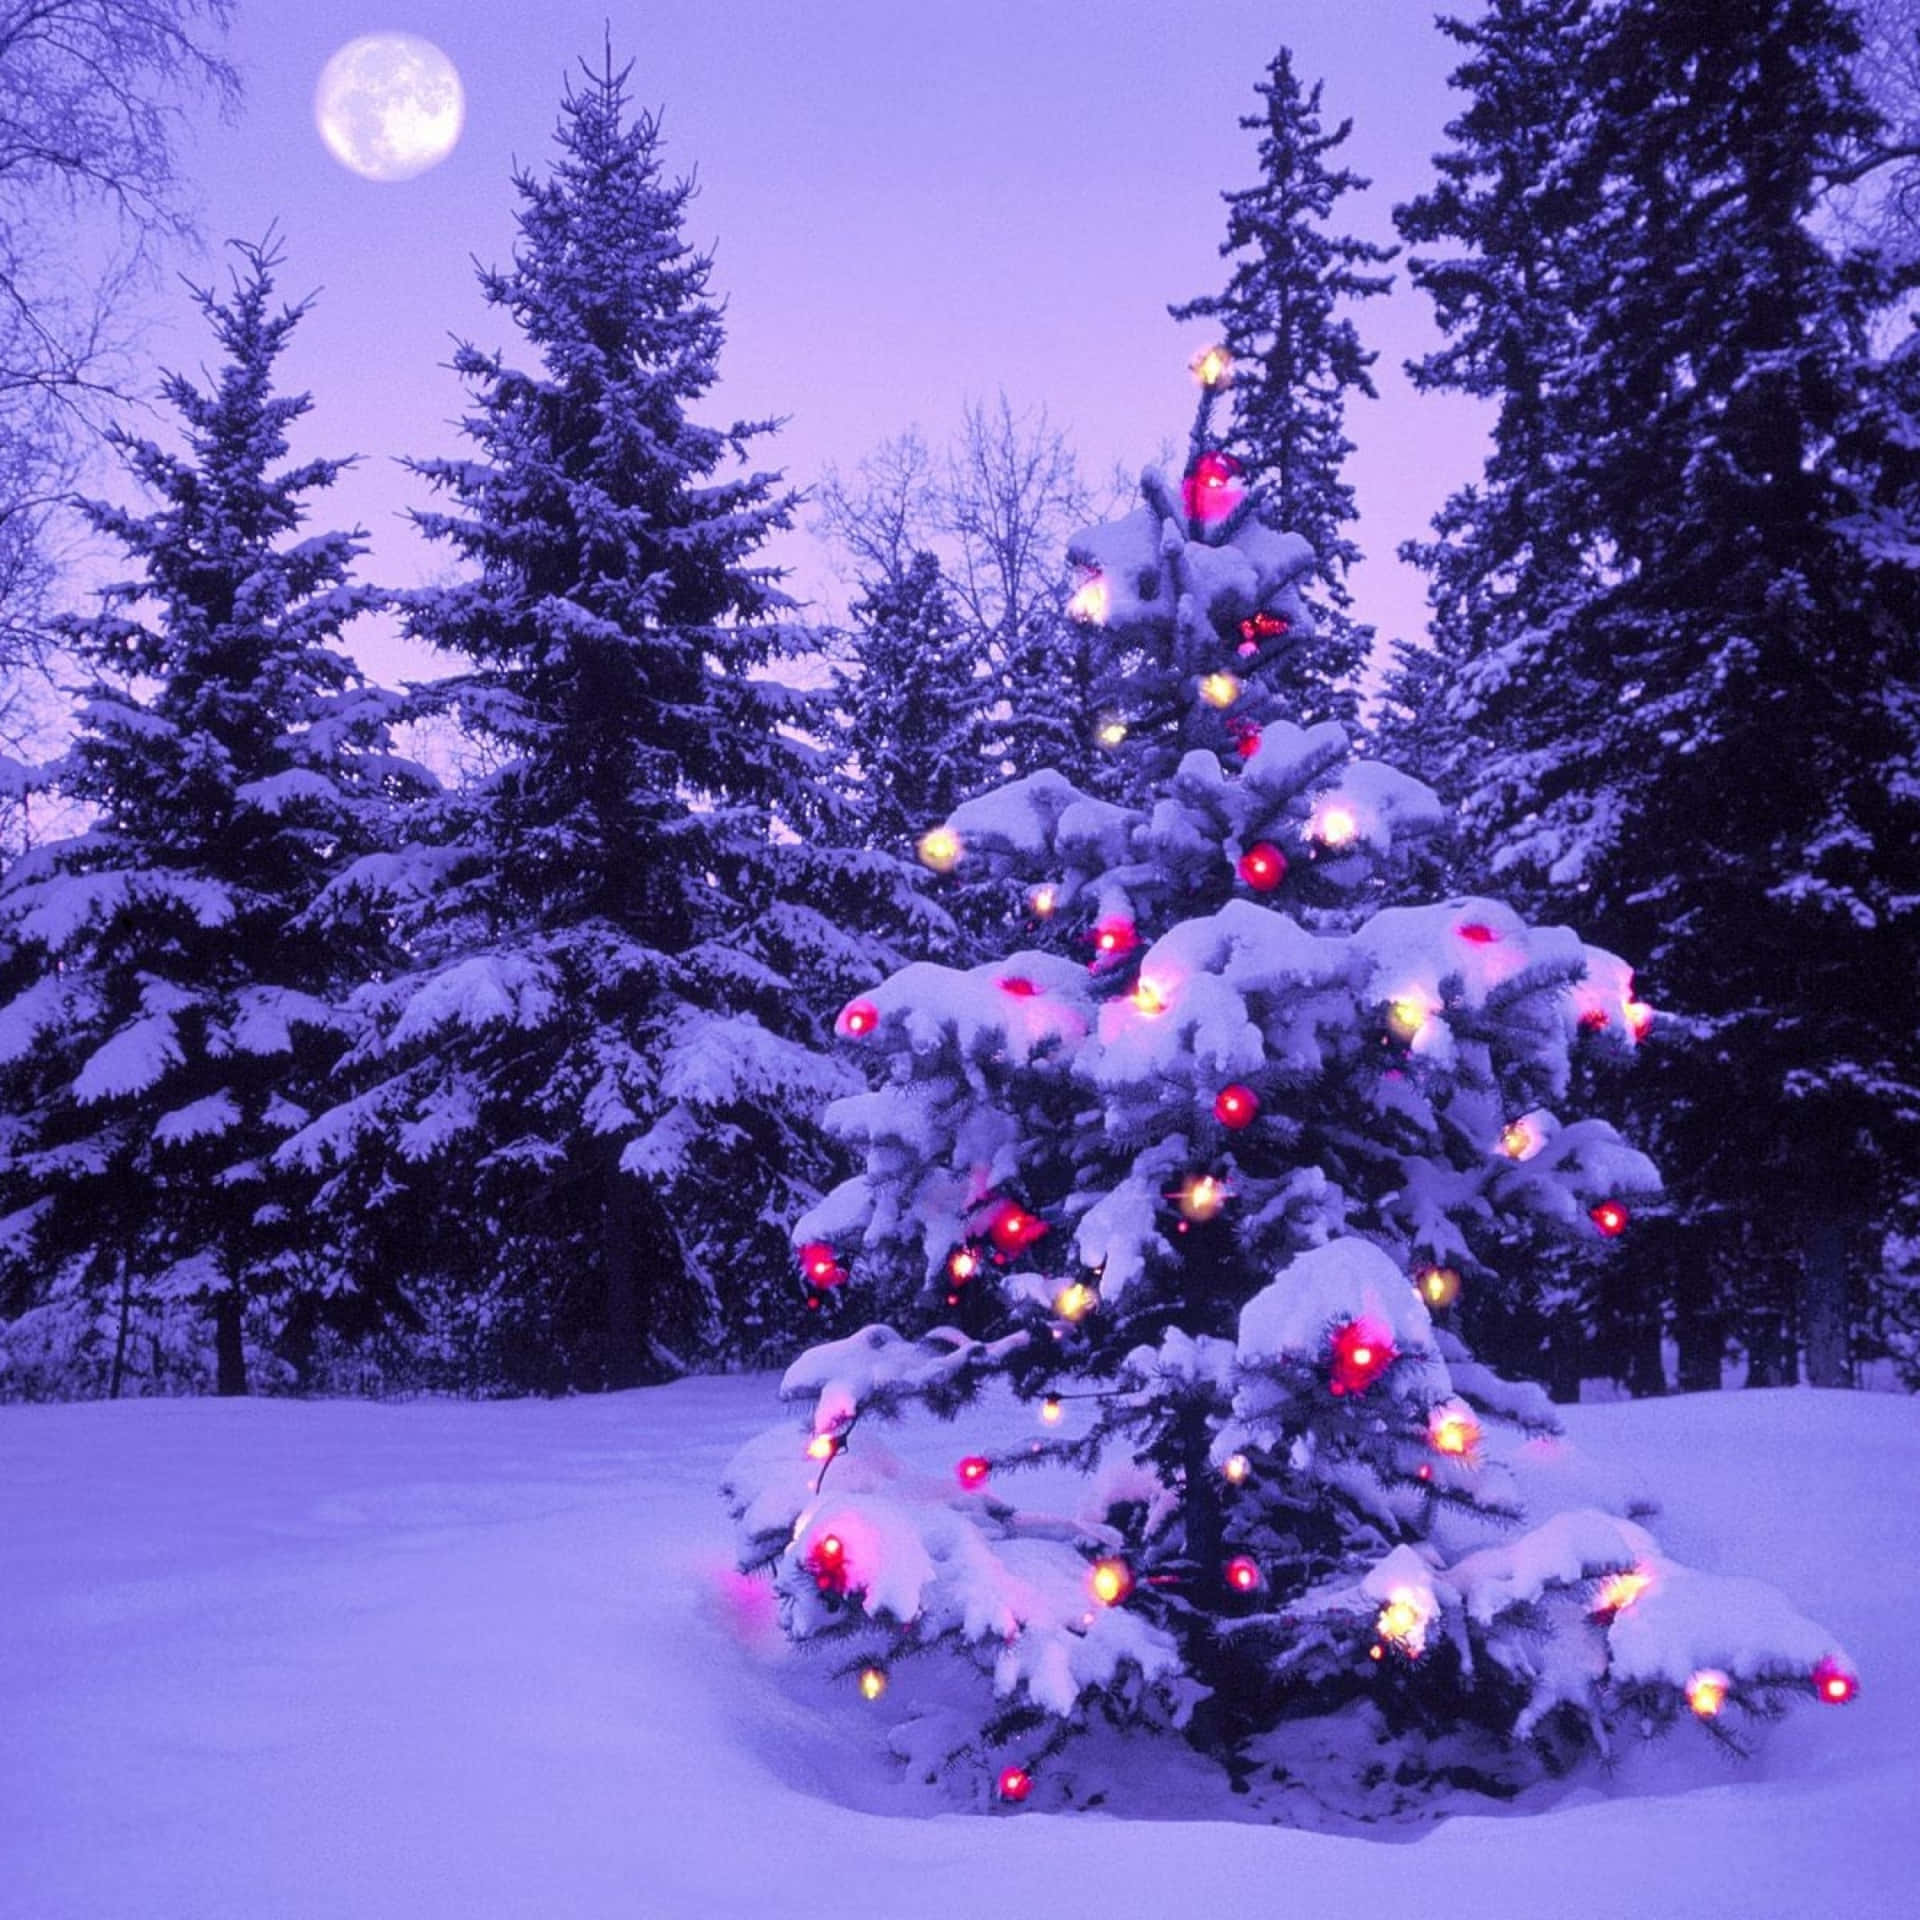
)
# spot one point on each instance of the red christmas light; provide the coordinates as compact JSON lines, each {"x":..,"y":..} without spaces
{"x":858,"y":1017}
{"x":1478,"y":933}
{"x":1212,"y":488}
{"x":1019,"y":986}
{"x":1594,"y":1020}
{"x":1244,"y":1575}
{"x":1263,"y":626}
{"x":1236,"y":1106}
{"x":819,"y":1264}
{"x":1610,"y":1217}
{"x":1246,"y":742}
{"x":1640,"y":1019}
{"x":1834,"y":1683}
{"x":1263,"y":866}
{"x":1015,"y":1784}
{"x":973,"y":1470}
{"x":1014,"y":1229}
{"x":829,"y":1563}
{"x":1116,"y":938}
{"x":1362,"y":1352}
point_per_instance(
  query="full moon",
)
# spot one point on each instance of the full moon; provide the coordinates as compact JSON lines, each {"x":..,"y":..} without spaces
{"x":389,"y":105}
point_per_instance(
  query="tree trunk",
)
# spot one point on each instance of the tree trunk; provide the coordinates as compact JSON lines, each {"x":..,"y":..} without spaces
{"x":119,"y":1372}
{"x":1771,"y":1359}
{"x":1824,"y":1305}
{"x":230,"y":1358}
{"x":1566,"y":1355}
{"x":1702,"y":1349}
{"x":1646,"y":1367}
{"x":1206,"y":1525}
{"x":1206,"y":1284}
{"x":625,"y":1360}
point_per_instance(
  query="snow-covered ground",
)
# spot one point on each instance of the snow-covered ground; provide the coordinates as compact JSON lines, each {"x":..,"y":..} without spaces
{"x":281,"y":1659}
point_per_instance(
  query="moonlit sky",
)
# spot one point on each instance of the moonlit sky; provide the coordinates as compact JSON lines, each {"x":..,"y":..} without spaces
{"x":910,"y":202}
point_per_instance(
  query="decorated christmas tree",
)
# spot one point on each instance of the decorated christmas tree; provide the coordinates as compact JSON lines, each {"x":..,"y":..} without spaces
{"x":1175,"y":1216}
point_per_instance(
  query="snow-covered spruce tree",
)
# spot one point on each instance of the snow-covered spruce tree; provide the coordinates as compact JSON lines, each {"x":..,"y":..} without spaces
{"x":914,"y":724}
{"x":175,"y":972}
{"x":1284,"y":319}
{"x":1684,"y":608}
{"x":914,"y":713}
{"x":1514,"y":550}
{"x":593,"y":1099}
{"x":1204,"y":1207}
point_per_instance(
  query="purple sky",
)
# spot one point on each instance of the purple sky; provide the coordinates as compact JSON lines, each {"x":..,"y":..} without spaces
{"x":912,"y":202}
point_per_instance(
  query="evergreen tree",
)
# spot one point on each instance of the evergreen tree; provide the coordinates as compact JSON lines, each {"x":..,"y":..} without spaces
{"x":913,"y":710}
{"x":1684,"y":591}
{"x":1297,"y":358}
{"x":1206,"y":1208}
{"x":916,"y":727}
{"x":174,"y":972}
{"x":593,"y":1084}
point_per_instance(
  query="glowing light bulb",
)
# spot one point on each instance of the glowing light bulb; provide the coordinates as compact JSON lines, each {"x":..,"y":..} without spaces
{"x":1110,"y":732}
{"x":828,"y":1562}
{"x":1212,"y":490}
{"x":1620,"y":1590}
{"x":1834,"y":1683}
{"x":1147,"y":997}
{"x":1075,"y":1301}
{"x":1088,"y":602}
{"x":1454,"y":1431}
{"x":1019,"y":986}
{"x":1212,"y":366}
{"x":1236,"y":1467}
{"x":1609,"y":1218}
{"x":1707,"y":1691}
{"x":1477,"y":933}
{"x":973,"y":1471}
{"x":1439,"y":1286}
{"x":1014,"y":1229}
{"x":940,"y":849}
{"x":820,"y":1264}
{"x":1407,"y":1014}
{"x":1202,"y":1197}
{"x":1015,"y":1784}
{"x":1521,"y":1139}
{"x":963,"y":1263}
{"x":858,"y":1017}
{"x":1261,"y":627}
{"x":1404,"y":1620}
{"x":1336,"y":826}
{"x":1246,"y":742}
{"x":1263,"y":866}
{"x":1362,"y":1352}
{"x":1219,"y":689}
{"x":873,"y":1683}
{"x":1236,"y":1106}
{"x":1115,"y":938}
{"x":1110,"y":1581}
{"x":1244,"y":1575}
{"x":1042,"y":901}
{"x":823,"y":1446}
{"x":1051,"y":1410}
{"x":1640,"y":1018}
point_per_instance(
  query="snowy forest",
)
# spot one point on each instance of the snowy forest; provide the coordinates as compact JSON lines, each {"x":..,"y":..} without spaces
{"x":1230,"y":1079}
